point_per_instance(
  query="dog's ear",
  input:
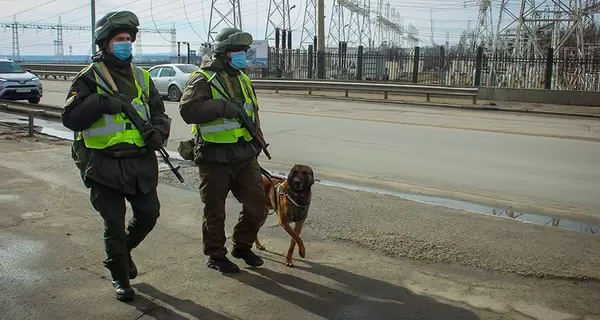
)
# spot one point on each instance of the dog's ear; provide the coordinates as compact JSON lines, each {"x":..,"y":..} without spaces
{"x":311,"y":176}
{"x":292,"y":173}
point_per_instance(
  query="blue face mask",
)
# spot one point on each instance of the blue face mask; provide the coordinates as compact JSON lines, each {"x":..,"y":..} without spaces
{"x":122,"y":50}
{"x":238,"y":60}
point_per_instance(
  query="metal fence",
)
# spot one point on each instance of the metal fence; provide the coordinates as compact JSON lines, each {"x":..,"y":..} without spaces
{"x":567,"y":72}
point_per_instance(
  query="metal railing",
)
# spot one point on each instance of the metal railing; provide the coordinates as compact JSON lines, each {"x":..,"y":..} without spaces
{"x":66,"y":71}
{"x":365,"y":87}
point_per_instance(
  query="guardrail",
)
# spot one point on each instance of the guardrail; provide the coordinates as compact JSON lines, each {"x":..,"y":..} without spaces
{"x":65,"y":71}
{"x":383,"y":88}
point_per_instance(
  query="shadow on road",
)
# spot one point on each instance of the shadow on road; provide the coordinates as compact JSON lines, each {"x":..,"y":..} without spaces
{"x":153,"y":310}
{"x":355,"y":296}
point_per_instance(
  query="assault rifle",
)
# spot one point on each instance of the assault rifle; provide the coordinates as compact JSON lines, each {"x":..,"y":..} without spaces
{"x":142,"y":125}
{"x":245,"y":120}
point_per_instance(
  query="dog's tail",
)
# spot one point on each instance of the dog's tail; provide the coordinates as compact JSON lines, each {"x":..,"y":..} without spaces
{"x":270,"y":177}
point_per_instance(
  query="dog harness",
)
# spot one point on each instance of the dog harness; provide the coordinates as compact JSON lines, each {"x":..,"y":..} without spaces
{"x":295,"y":211}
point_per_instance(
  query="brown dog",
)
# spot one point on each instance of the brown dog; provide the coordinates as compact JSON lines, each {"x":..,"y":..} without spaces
{"x":290,"y":199}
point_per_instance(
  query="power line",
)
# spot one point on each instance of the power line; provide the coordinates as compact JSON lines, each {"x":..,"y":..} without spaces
{"x":188,"y":19}
{"x":27,"y":10}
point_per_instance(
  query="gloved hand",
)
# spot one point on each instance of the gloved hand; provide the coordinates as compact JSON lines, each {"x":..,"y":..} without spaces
{"x":113,"y":104}
{"x":230,"y":110}
{"x":153,"y":139}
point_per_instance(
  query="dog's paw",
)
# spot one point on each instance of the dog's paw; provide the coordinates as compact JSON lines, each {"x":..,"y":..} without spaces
{"x":261,"y":247}
{"x":289,"y":264}
{"x":302,"y":251}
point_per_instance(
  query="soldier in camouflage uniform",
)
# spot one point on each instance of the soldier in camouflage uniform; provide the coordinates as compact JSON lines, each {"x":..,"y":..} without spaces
{"x":224,"y":150}
{"x":117,"y":162}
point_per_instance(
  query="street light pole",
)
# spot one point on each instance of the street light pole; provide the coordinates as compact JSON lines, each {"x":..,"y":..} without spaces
{"x":321,"y":39}
{"x":93,"y":21}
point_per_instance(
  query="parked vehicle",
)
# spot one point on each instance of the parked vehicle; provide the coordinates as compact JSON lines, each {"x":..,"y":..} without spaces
{"x":170,"y":79}
{"x":17,"y":83}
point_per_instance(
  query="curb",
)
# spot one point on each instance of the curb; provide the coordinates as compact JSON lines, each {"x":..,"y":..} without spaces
{"x":29,"y":108}
{"x":447,"y":105}
{"x":25,"y":107}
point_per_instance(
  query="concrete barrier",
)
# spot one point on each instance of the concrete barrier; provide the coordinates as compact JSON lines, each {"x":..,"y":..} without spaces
{"x":565,"y":97}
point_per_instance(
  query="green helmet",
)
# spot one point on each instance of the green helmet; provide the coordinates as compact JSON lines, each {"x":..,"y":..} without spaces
{"x":232,"y":39}
{"x":115,"y":22}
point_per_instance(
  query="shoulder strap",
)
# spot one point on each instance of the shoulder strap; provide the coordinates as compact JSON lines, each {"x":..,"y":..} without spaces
{"x":227,"y":83}
{"x":139,"y":75}
{"x":203,"y":72}
{"x":108,"y":77}
{"x":141,"y":78}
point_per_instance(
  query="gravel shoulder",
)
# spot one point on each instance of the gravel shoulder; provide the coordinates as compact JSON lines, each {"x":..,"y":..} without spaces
{"x":403,"y":228}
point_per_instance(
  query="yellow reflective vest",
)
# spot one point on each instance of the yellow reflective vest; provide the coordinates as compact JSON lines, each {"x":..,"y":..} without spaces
{"x":114,"y":129}
{"x":227,"y":130}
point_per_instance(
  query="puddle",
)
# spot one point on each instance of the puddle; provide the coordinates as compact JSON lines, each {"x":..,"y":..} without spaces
{"x":67,"y":135}
{"x":57,"y":130}
{"x":526,"y":217}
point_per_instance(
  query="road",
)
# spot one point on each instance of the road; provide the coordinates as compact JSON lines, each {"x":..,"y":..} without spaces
{"x":51,"y":256}
{"x":527,"y":162}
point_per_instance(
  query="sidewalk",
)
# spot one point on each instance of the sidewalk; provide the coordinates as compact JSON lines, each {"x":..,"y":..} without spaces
{"x":521,"y":107}
{"x":51,"y":253}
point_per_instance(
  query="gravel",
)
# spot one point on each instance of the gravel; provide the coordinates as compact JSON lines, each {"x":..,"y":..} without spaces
{"x":403,"y":228}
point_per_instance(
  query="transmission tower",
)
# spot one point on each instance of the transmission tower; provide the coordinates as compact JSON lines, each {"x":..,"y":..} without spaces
{"x":228,"y":14}
{"x":365,"y":29}
{"x":432,"y":23}
{"x":336,"y":25}
{"x":351,"y":30}
{"x":543,"y":24}
{"x":412,"y":36}
{"x":139,"y":56}
{"x":278,"y":17}
{"x":173,"y":41}
{"x":388,"y":31}
{"x":58,"y":43}
{"x":15,"y":39}
{"x":60,"y":28}
{"x":484,"y":33}
{"x":309,"y":25}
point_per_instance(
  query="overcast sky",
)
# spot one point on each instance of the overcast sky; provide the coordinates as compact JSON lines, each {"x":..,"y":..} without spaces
{"x":449,"y":15}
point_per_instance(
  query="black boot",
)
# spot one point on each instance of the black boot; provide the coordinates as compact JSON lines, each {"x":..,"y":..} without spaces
{"x":133,"y":271}
{"x":249,"y":257}
{"x":123,"y":290}
{"x":222,"y":264}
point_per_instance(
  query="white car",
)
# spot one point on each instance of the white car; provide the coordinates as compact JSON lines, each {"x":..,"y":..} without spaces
{"x":170,"y":79}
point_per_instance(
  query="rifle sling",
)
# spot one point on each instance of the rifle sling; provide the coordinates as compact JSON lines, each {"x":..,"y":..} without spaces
{"x":111,"y":82}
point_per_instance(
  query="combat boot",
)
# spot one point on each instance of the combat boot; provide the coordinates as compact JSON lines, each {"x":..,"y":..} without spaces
{"x":133,"y":271}
{"x":249,"y":257}
{"x":123,"y":290}
{"x":222,"y":264}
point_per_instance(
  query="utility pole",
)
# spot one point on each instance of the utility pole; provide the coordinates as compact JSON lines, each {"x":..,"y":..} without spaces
{"x":93,"y":21}
{"x":321,"y":39}
{"x":188,"y":51}
{"x":178,"y":51}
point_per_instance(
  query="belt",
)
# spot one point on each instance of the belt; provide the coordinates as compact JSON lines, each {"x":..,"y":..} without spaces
{"x":125,"y":153}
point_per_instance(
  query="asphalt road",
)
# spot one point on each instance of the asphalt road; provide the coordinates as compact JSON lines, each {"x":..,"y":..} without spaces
{"x":51,"y":256}
{"x":532,"y":163}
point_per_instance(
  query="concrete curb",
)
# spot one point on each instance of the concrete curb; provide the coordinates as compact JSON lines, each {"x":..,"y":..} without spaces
{"x":447,"y":105}
{"x":25,"y":107}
